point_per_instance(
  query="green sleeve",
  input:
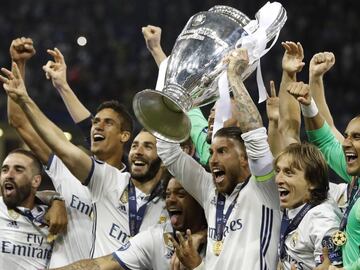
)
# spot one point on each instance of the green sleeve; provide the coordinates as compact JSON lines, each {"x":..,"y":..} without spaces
{"x":331,"y":148}
{"x":354,"y":266}
{"x":198,"y":134}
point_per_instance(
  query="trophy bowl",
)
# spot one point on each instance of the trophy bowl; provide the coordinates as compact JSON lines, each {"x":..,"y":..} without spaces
{"x":193,"y":69}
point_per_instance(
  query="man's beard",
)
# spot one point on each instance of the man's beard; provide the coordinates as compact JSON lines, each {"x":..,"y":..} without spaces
{"x":19,"y":196}
{"x":151,"y":172}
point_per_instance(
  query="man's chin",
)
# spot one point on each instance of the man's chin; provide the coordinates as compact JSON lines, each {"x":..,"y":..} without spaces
{"x":10,"y":202}
{"x":353,"y":171}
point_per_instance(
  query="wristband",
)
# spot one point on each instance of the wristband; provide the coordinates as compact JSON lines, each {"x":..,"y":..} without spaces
{"x":309,"y":111}
{"x":56,"y":197}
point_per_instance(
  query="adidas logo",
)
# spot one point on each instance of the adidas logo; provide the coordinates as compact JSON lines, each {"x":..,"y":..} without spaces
{"x":13,"y":224}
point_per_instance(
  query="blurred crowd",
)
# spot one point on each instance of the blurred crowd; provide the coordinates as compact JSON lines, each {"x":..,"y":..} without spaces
{"x":115,"y":62}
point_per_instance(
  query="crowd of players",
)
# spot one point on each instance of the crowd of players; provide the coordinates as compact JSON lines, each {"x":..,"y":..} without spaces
{"x":245,"y":197}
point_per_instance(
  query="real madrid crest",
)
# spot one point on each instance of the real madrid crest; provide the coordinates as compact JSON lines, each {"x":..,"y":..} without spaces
{"x":167,"y":240}
{"x":124,"y":196}
{"x":198,"y":20}
{"x":13,"y":214}
{"x":294,"y":239}
{"x":162,"y":219}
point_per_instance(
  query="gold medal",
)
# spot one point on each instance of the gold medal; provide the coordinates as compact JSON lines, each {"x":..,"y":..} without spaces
{"x":338,"y":238}
{"x":217,"y":247}
{"x":13,"y":214}
{"x":51,"y":238}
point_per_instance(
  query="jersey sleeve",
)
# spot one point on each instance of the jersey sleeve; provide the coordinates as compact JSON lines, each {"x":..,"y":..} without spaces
{"x":138,"y":253}
{"x":324,"y":222}
{"x":192,"y":176}
{"x":331,"y":148}
{"x":354,"y":265}
{"x":261,"y":164}
{"x":104,"y":179}
{"x":198,"y":134}
{"x":59,"y":174}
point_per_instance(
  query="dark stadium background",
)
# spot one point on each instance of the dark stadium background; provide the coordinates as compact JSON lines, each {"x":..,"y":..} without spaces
{"x":115,"y":63}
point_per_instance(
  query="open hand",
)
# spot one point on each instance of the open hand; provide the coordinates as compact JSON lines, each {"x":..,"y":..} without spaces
{"x":292,"y":61}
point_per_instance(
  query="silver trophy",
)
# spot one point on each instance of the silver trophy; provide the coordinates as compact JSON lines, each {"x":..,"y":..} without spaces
{"x":195,"y":65}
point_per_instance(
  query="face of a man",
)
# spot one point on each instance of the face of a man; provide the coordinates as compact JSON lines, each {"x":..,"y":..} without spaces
{"x":143,"y":159}
{"x":231,"y":122}
{"x":226,"y":163}
{"x":293,"y":189}
{"x":183,"y":209}
{"x":16,"y":179}
{"x":106,"y":133}
{"x":351,"y":147}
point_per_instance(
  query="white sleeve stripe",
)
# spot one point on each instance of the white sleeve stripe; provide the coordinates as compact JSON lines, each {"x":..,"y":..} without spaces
{"x":265,"y":234}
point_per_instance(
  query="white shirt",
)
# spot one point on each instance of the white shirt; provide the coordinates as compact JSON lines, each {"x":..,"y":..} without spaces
{"x":23,"y":245}
{"x":339,"y":194}
{"x":109,"y":191}
{"x":252,"y":230}
{"x":150,"y":249}
{"x":304,"y":245}
{"x":76,"y":243}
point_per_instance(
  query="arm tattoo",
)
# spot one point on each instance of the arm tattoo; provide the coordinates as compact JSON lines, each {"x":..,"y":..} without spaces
{"x":247,"y":113}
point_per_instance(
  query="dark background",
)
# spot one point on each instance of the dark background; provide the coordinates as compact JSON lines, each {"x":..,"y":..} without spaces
{"x":115,"y":63}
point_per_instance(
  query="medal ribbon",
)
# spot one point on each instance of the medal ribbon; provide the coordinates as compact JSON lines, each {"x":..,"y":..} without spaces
{"x":287,"y":226}
{"x":222,"y":219}
{"x":352,"y":195}
{"x":136,"y":216}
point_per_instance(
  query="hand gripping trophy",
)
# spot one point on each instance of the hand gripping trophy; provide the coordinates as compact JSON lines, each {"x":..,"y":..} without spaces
{"x":195,"y":65}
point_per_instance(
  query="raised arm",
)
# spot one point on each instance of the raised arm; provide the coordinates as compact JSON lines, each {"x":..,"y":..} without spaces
{"x":152,"y":36}
{"x":247,"y":114}
{"x":249,"y":119}
{"x":320,"y":64}
{"x":275,"y":139}
{"x":75,"y":159}
{"x":56,"y":71}
{"x":21,"y":50}
{"x":290,"y":118}
{"x":318,"y":131}
{"x":102,"y":263}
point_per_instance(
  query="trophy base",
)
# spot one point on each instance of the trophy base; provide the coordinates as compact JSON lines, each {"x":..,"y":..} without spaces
{"x":159,"y":114}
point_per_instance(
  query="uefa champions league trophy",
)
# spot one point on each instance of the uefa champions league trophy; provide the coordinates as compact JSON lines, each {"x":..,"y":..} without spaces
{"x":195,"y":65}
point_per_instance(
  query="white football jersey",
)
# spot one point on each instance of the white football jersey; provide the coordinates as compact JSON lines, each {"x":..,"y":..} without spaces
{"x":23,"y":245}
{"x":109,"y":191}
{"x":303,"y":246}
{"x":76,"y":243}
{"x":150,"y":249}
{"x":339,"y":194}
{"x":251,"y":234}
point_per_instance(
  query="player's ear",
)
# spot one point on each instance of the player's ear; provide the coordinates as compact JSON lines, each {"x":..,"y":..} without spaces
{"x":125,"y":136}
